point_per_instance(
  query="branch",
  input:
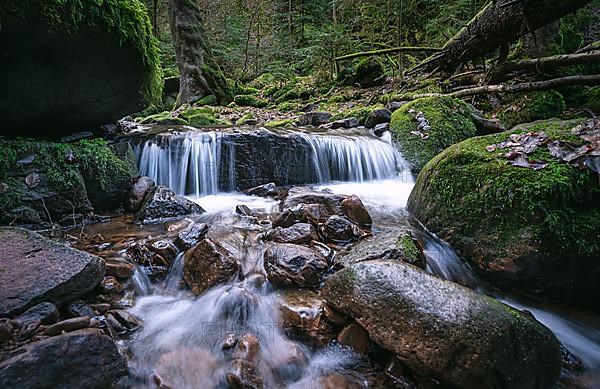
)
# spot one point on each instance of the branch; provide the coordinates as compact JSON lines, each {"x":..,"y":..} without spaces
{"x":406,"y":49}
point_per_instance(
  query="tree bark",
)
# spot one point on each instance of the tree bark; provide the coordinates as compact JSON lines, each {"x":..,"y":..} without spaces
{"x":388,"y":51}
{"x":546,"y":63}
{"x":200,"y":75}
{"x":499,"y":22}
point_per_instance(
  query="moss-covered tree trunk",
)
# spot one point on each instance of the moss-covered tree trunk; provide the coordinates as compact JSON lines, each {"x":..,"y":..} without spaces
{"x":200,"y":75}
{"x":500,"y":22}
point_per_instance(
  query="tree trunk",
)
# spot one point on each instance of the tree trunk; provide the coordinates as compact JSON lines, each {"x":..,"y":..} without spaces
{"x":499,"y":22}
{"x":199,"y":75}
{"x":545,"y":63}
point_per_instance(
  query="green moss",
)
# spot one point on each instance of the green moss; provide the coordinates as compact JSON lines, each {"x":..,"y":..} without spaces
{"x":128,"y":19}
{"x":450,"y":121}
{"x":164,"y":118}
{"x":250,"y":101}
{"x":530,"y":106}
{"x":287,"y":106}
{"x":207,"y":100}
{"x":592,"y":99}
{"x":409,"y":248}
{"x":361,"y":113}
{"x":366,"y":73}
{"x":243,"y":119}
{"x":263,"y":81}
{"x":467,"y":191}
{"x":280,"y":123}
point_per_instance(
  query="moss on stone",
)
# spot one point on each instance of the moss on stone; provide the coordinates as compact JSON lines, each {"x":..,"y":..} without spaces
{"x":165,"y":118}
{"x":530,"y":106}
{"x":592,"y":99}
{"x":128,"y":19}
{"x":409,"y":248}
{"x":244,"y":118}
{"x":280,"y":123}
{"x":365,"y":73}
{"x":250,"y":101}
{"x":287,"y":106}
{"x":492,"y":210}
{"x":361,"y":113}
{"x":207,"y":100}
{"x":450,"y":121}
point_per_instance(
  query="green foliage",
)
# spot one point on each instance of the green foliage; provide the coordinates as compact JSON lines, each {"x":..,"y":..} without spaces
{"x":592,"y":99}
{"x":280,"y":123}
{"x":450,"y":122}
{"x":530,"y":106}
{"x":126,"y":18}
{"x":250,"y":101}
{"x":207,"y":100}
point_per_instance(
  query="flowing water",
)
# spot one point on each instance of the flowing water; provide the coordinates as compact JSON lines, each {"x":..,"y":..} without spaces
{"x":180,"y":330}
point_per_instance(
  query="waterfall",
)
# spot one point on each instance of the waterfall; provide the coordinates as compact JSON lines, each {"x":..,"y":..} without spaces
{"x":201,"y":163}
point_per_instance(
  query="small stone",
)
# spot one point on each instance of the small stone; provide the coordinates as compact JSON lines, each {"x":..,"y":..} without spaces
{"x":114,"y":324}
{"x":314,"y":118}
{"x":243,"y":374}
{"x":125,"y":318}
{"x":100,"y":308}
{"x":301,"y":233}
{"x":44,"y":313}
{"x":266,"y":190}
{"x":166,"y":249}
{"x":110,"y":285}
{"x":290,"y":264}
{"x":355,"y":210}
{"x":284,"y":219}
{"x":138,"y":192}
{"x":356,"y":337}
{"x":191,"y":235}
{"x":247,"y":348}
{"x":334,"y":316}
{"x":381,"y":128}
{"x":208,"y":264}
{"x":395,"y":105}
{"x":69,"y":325}
{"x":80,"y":308}
{"x":119,"y":268}
{"x":378,"y":116}
{"x":243,"y":210}
{"x":340,"y":229}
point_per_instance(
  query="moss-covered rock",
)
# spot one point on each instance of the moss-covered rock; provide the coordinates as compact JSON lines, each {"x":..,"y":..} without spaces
{"x":449,"y":120}
{"x":165,"y":118}
{"x":592,"y":99}
{"x":366,"y":73}
{"x":207,"y":100}
{"x":116,"y":70}
{"x":280,"y":123}
{"x":360,"y":113}
{"x":538,"y":230}
{"x":530,"y":106}
{"x":250,"y":101}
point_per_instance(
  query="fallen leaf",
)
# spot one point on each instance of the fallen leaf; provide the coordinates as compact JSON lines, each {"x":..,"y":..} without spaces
{"x":32,"y":180}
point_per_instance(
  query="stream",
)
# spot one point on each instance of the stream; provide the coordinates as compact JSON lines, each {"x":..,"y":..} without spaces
{"x":179,"y":330}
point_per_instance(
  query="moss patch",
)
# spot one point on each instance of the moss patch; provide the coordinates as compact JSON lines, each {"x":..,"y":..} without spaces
{"x":128,"y":19}
{"x":450,"y":122}
{"x":530,"y":106}
{"x":250,"y":101}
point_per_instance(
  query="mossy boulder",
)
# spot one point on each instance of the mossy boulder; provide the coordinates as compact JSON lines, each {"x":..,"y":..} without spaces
{"x":592,"y":99}
{"x":366,"y":73}
{"x":449,"y":121}
{"x":537,"y":230}
{"x":530,"y":106}
{"x":97,"y":61}
{"x":250,"y":101}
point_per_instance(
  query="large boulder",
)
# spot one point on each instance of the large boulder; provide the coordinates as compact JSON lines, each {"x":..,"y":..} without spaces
{"x":137,"y":193}
{"x":529,"y":221}
{"x":162,"y":203}
{"x":290,"y":264}
{"x":425,"y":127}
{"x":97,"y":63}
{"x":36,"y":269}
{"x":301,"y":233}
{"x":443,"y":330}
{"x":80,"y":359}
{"x":208,"y":264}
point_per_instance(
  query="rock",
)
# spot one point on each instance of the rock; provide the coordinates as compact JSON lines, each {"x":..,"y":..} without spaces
{"x":137,"y":193}
{"x":119,"y":268}
{"x":354,"y":209}
{"x":44,"y":313}
{"x":366,"y":73}
{"x":180,"y":369}
{"x":95,"y":89}
{"x":125,"y":318}
{"x":314,"y":118}
{"x":101,"y":308}
{"x":243,"y":210}
{"x":470,"y":338}
{"x":504,"y":239}
{"x":356,"y":337}
{"x":266,"y":190}
{"x":247,"y":348}
{"x":161,"y":202}
{"x":79,"y":359}
{"x":388,"y":244}
{"x":312,"y":213}
{"x":208,"y":264}
{"x":243,"y":374}
{"x":443,"y":122}
{"x":165,"y":249}
{"x":301,"y":233}
{"x":80,"y":308}
{"x":69,"y":325}
{"x":191,"y":235}
{"x":290,"y":264}
{"x":338,"y":381}
{"x":284,"y":219}
{"x":381,"y":128}
{"x":36,"y":269}
{"x":393,"y":106}
{"x":297,"y":196}
{"x":22,"y":215}
{"x":378,"y":116}
{"x":340,"y":229}
{"x":289,"y":366}
{"x":343,"y":123}
{"x":110,"y":285}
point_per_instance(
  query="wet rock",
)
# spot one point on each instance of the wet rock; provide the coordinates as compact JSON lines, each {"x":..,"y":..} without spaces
{"x":354,"y":209}
{"x":110,"y":285}
{"x":290,"y":264}
{"x":191,"y":235}
{"x":137,"y":193}
{"x":381,"y":128}
{"x":388,"y":244}
{"x":6,"y":331}
{"x":289,"y":365}
{"x":181,"y":369}
{"x":337,"y":381}
{"x":243,"y":210}
{"x":343,"y":123}
{"x":301,"y":233}
{"x":334,"y":316}
{"x":161,"y":202}
{"x":114,"y":326}
{"x":314,"y":118}
{"x":208,"y":264}
{"x":356,"y":337}
{"x":44,"y":313}
{"x":297,"y":196}
{"x":100,"y":308}
{"x":21,"y":215}
{"x":378,"y":116}
{"x":80,"y":308}
{"x":247,"y":348}
{"x":153,"y":264}
{"x":284,"y":219}
{"x":340,"y":229}
{"x":242,"y":374}
{"x":166,"y":249}
{"x":470,"y":338}
{"x":79,"y":359}
{"x":125,"y":318}
{"x":36,"y":269}
{"x":119,"y":268}
{"x":312,"y":213}
{"x":266,"y":190}
{"x":69,"y":325}
{"x":392,"y":106}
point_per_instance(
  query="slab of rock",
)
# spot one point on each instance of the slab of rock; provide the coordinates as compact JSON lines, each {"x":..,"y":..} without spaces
{"x":378,"y":116}
{"x":79,"y":359}
{"x":443,"y":330}
{"x":208,"y":264}
{"x":266,"y":190}
{"x":343,"y":123}
{"x":297,"y":196}
{"x":301,"y":233}
{"x":356,"y":337}
{"x":137,"y":193}
{"x":340,"y":229}
{"x":314,"y":118}
{"x":45,"y":313}
{"x":119,"y":268}
{"x":354,"y":209}
{"x":36,"y":269}
{"x":161,"y":202}
{"x":290,"y":264}
{"x":191,"y":235}
{"x":69,"y":325}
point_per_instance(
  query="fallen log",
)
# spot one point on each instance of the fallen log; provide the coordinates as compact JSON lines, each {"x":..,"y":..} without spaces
{"x":514,"y":88}
{"x":546,"y":63}
{"x":498,"y":23}
{"x":406,"y":49}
